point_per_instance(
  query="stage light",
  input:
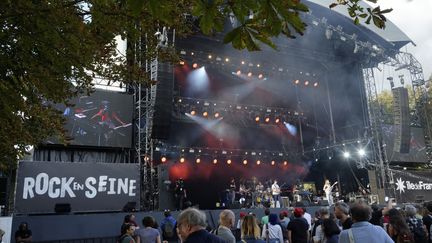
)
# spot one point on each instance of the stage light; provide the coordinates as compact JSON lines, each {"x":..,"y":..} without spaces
{"x":227,"y":59}
{"x":346,"y":154}
{"x":205,"y":114}
{"x":267,"y":119}
{"x":277,"y":120}
{"x":192,"y":53}
{"x":209,"y":56}
{"x":258,"y":65}
{"x":238,"y":72}
{"x":198,"y":160}
{"x":306,"y":83}
{"x":260,"y":76}
{"x":182,"y":160}
{"x":229,"y":161}
{"x":258,"y":162}
{"x":249,"y":74}
{"x":361,"y":152}
{"x":285,"y":162}
{"x":257,"y":119}
{"x":297,"y":81}
{"x":193,"y":112}
{"x":182,"y":63}
{"x":163,"y":159}
{"x":242,"y":62}
{"x":273,"y":162}
{"x":216,"y":115}
{"x":316,"y":84}
{"x":245,"y":162}
{"x":215,"y":161}
{"x":195,"y":65}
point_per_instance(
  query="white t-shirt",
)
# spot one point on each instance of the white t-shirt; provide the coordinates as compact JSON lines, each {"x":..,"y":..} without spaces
{"x":275,"y":189}
{"x":275,"y":232}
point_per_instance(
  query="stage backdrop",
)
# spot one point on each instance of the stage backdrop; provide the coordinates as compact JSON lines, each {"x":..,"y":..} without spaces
{"x":413,"y":186}
{"x":86,"y":187}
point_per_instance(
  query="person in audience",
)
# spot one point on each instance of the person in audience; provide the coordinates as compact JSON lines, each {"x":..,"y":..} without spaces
{"x":272,"y":232}
{"x":191,"y":227}
{"x":308,"y":217}
{"x":398,"y":229}
{"x":331,"y":231}
{"x":377,"y":215}
{"x":148,"y":234}
{"x":319,"y":236}
{"x":168,"y":227}
{"x":283,"y":222}
{"x":415,"y":225}
{"x":362,"y":230}
{"x":427,"y":220}
{"x":250,"y":231}
{"x":23,"y":234}
{"x":226,"y":222}
{"x":127,"y":231}
{"x":298,"y":228}
{"x":265,"y":218}
{"x":341,"y":211}
{"x":130,"y":219}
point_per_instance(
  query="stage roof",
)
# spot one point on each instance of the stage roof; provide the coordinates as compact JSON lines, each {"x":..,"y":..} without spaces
{"x":390,"y":34}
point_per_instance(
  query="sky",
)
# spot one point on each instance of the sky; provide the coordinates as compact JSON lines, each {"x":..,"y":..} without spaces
{"x":414,"y":19}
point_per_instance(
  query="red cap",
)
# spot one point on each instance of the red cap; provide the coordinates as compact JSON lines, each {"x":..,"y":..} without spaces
{"x":242,"y":214}
{"x":298,"y":212}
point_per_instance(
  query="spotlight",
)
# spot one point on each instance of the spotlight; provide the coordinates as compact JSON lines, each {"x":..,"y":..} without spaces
{"x":195,"y":65}
{"x":215,"y":161}
{"x":205,"y":114}
{"x":249,"y":74}
{"x":245,"y":162}
{"x":285,"y":162}
{"x":198,"y":160}
{"x":316,"y":84}
{"x":258,"y":162}
{"x":258,"y":65}
{"x":242,"y":62}
{"x":238,"y":72}
{"x":267,"y":119}
{"x":192,"y":53}
{"x":361,"y":152}
{"x":182,"y":160}
{"x":277,"y":120}
{"x":297,"y":81}
{"x":227,"y":59}
{"x":216,"y":115}
{"x":163,"y":159}
{"x":273,"y":162}
{"x":209,"y":56}
{"x":257,"y":119}
{"x":346,"y":154}
{"x":260,"y":76}
{"x":306,"y":83}
{"x":182,"y":63}
{"x":229,"y":161}
{"x":193,"y":112}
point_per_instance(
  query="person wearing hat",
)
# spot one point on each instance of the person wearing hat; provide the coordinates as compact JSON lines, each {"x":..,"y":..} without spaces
{"x":298,"y":228}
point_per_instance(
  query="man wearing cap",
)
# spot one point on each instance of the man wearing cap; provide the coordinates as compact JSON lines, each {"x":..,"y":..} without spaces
{"x":298,"y":228}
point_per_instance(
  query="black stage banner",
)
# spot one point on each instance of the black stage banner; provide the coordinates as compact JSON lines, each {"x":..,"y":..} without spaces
{"x":412,"y":186}
{"x":83,"y":187}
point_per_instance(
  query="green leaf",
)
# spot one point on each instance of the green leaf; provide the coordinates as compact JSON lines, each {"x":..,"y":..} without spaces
{"x":356,"y":21}
{"x":333,"y":5}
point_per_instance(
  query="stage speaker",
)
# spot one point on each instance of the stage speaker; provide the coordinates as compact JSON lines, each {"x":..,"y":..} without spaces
{"x":166,"y":189}
{"x":62,"y":208}
{"x":164,"y":102}
{"x":402,"y":135}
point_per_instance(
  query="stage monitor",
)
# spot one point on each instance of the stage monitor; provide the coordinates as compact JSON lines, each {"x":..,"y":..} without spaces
{"x":101,"y":119}
{"x":417,"y":150}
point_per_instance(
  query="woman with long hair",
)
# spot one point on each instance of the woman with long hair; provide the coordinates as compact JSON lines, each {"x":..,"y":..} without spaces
{"x":250,"y":231}
{"x":398,"y":229}
{"x":272,"y":232}
{"x":331,"y":231}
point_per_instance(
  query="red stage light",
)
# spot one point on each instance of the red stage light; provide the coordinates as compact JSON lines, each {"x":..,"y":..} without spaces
{"x":229,"y":161}
{"x":297,"y":81}
{"x":198,"y":160}
{"x":182,"y":160}
{"x":277,"y":120}
{"x":205,"y":113}
{"x":316,"y":84}
{"x":306,"y":83}
{"x":258,"y":162}
{"x":163,"y":159}
{"x":245,"y":162}
{"x":267,"y":119}
{"x":260,"y":76}
{"x":257,"y":119}
{"x":273,"y":162}
{"x":182,"y":63}
{"x":216,"y":115}
{"x":249,"y":74}
{"x":215,"y":161}
{"x":195,"y":65}
{"x":285,"y":162}
{"x":193,"y":112}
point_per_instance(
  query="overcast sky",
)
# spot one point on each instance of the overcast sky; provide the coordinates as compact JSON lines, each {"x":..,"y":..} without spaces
{"x":414,"y":18}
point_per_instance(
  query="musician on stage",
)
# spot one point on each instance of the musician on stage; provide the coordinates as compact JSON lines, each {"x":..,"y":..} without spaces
{"x":276,"y":194}
{"x":232,"y":191}
{"x":328,"y":188}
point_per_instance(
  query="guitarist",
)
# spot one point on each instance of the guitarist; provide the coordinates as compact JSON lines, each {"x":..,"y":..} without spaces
{"x":276,"y":194}
{"x":328,"y":191}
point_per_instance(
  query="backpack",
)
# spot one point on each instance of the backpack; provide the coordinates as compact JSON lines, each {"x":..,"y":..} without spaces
{"x":168,"y":229}
{"x":418,"y":231}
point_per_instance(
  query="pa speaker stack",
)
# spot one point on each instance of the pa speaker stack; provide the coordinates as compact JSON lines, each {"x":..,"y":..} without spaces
{"x":164,"y":102}
{"x":401,"y":120}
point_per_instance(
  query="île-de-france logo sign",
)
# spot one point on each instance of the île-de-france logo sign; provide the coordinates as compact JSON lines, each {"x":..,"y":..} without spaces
{"x":400,"y":185}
